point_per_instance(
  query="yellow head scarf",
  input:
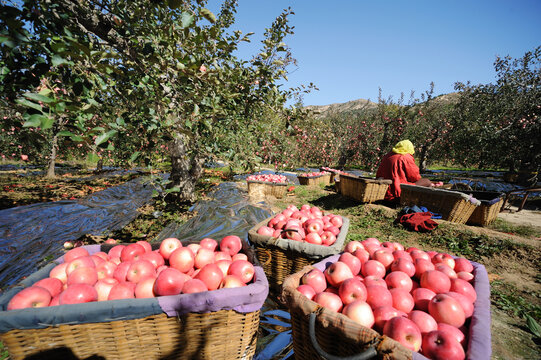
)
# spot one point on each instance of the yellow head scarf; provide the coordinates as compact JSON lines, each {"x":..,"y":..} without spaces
{"x":404,"y":147}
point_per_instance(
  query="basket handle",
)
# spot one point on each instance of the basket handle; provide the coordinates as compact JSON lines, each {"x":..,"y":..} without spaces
{"x":268,"y":253}
{"x":367,"y":354}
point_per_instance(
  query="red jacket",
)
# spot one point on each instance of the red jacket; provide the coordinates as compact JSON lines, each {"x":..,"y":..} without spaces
{"x":401,"y":169}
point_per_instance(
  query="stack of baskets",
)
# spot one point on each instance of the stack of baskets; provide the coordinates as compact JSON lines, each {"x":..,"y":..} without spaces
{"x":219,"y":324}
{"x":488,"y":210}
{"x":282,"y":257}
{"x":454,"y":206}
{"x":366,"y":190}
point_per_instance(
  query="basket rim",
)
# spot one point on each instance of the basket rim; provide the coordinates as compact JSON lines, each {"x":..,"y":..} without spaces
{"x":267,"y":183}
{"x":367,"y":179}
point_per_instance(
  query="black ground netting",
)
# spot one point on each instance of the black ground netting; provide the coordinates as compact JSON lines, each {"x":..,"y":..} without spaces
{"x":34,"y":234}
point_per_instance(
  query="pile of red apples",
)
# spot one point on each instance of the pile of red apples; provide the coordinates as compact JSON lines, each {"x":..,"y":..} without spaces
{"x":422,"y":299}
{"x":305,"y":224}
{"x":136,"y":271}
{"x":314,"y":174}
{"x":272,"y":178}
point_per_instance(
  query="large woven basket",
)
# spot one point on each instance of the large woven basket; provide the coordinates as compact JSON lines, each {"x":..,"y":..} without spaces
{"x":337,"y":335}
{"x":454,"y":206}
{"x":488,"y":210}
{"x":315,"y":180}
{"x":265,"y":188}
{"x":72,"y":331}
{"x":282,"y":257}
{"x":366,"y":190}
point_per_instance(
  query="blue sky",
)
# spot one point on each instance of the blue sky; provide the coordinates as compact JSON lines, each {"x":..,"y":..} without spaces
{"x":351,"y":48}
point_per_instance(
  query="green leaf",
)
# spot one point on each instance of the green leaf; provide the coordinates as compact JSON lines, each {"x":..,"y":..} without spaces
{"x":58,"y":60}
{"x":45,"y":92}
{"x":65,"y":133}
{"x":47,"y":123}
{"x":134,"y":156}
{"x":92,"y":157}
{"x":533,"y":326}
{"x":29,"y":104}
{"x":174,"y":189}
{"x":7,"y":41}
{"x":34,"y":120}
{"x":207,"y":14}
{"x":104,"y":137}
{"x":38,"y":97}
{"x":186,"y":20}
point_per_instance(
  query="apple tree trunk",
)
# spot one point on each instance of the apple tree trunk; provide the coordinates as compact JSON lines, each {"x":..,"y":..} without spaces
{"x":186,"y":169}
{"x":52,"y":158}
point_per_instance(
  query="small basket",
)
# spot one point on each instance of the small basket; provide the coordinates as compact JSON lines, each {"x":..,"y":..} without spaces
{"x":488,"y":210}
{"x":188,"y":326}
{"x":265,"y":188}
{"x":453,"y":206}
{"x":366,"y":190}
{"x":282,"y":257}
{"x":318,"y":332}
{"x":315,"y":180}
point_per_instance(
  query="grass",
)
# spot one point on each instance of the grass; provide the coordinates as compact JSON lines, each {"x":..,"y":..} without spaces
{"x":520,"y":230}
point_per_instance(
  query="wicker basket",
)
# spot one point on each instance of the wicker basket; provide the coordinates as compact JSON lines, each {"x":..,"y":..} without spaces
{"x":488,"y":210}
{"x":217,"y":334}
{"x":265,"y":188}
{"x":339,"y":336}
{"x":453,"y":206}
{"x":315,"y":180}
{"x":366,"y":190}
{"x":282,"y":257}
{"x":335,"y":333}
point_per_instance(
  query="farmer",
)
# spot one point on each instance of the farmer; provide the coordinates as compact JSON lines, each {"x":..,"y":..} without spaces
{"x":399,"y":166}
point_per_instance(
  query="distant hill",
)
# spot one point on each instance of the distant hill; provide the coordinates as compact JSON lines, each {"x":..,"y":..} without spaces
{"x":361,"y":105}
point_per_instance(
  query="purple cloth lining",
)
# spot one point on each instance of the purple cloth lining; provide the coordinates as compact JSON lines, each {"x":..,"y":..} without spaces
{"x":244,"y":299}
{"x":479,"y":343}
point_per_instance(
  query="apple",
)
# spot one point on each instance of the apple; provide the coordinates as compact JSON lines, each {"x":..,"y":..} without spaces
{"x":436,"y":281}
{"x":418,"y":254}
{"x":83,"y":261}
{"x":131,"y":252}
{"x":444,"y":268}
{"x":400,"y":280}
{"x":231,"y":281}
{"x":445,"y":259}
{"x":307,"y":291}
{"x":265,"y":231}
{"x":360,"y":312}
{"x":404,"y":331}
{"x":329,"y":300}
{"x":313,"y":238}
{"x":75,"y":253}
{"x":115,"y":251}
{"x":121,"y":271}
{"x":145,"y":287}
{"x":106,"y":269}
{"x":169,"y":245}
{"x":337,"y":221}
{"x":231,"y":244}
{"x":221,"y":255}
{"x":352,"y":246}
{"x":211,"y":275}
{"x":140,"y":269}
{"x":442,"y":345}
{"x":122,"y":290}
{"x":382,"y":314}
{"x":464,"y":301}
{"x":422,"y":297}
{"x":384,"y":256}
{"x":465,"y":276}
{"x":421,"y":266}
{"x":313,"y":226}
{"x":102,"y":255}
{"x":402,"y":300}
{"x":352,"y":261}
{"x":224,"y":265}
{"x":378,"y":296}
{"x":203,"y":257}
{"x":337,"y":272}
{"x":170,"y":282}
{"x":374,"y":268}
{"x":145,"y":244}
{"x":194,"y":286}
{"x":83,"y":275}
{"x":405,"y":265}
{"x":209,"y":243}
{"x":30,"y":297}
{"x":457,"y":333}
{"x":328,"y":238}
{"x":51,"y":284}
{"x":194,"y":248}
{"x":332,"y":229}
{"x":423,"y":320}
{"x":77,"y":294}
{"x":397,"y":254}
{"x":59,"y":272}
{"x":239,"y":256}
{"x":243,"y":269}
{"x":371,"y":241}
{"x":362,"y":255}
{"x":182,"y":259}
{"x":316,"y":279}
{"x":103,"y":287}
{"x":374,"y":280}
{"x":110,"y":241}
{"x":462,"y":264}
{"x":154,"y":257}
{"x":446,"y":309}
{"x":351,"y":290}
{"x":465,"y":288}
